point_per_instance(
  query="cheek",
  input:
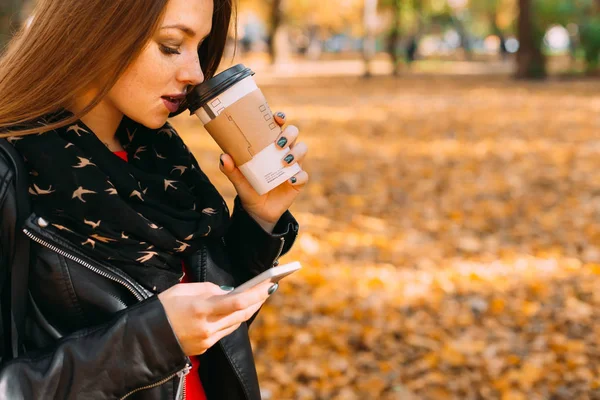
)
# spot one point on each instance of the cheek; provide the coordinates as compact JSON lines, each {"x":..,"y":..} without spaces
{"x":147,"y":76}
{"x":124,"y":90}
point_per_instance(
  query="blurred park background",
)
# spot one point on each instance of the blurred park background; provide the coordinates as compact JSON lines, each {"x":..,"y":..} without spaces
{"x":450,"y":233}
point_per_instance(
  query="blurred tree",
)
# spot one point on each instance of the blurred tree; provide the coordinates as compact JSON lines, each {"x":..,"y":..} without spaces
{"x":369,"y":43}
{"x":273,"y":15}
{"x":590,"y":41}
{"x":10,"y":19}
{"x":590,"y":34}
{"x":393,"y":40}
{"x":457,"y":12}
{"x":494,"y":12}
{"x":314,"y":18}
{"x":276,"y":18}
{"x":498,"y":32}
{"x":320,"y":20}
{"x":417,"y":9}
{"x":531,"y":62}
{"x":536,"y":17}
{"x":331,"y":16}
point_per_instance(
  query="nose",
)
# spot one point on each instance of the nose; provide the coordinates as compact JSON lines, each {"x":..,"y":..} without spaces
{"x":191,"y":72}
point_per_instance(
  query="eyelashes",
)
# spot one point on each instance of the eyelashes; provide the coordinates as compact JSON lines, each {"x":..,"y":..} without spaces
{"x":169,"y":50}
{"x":174,"y":50}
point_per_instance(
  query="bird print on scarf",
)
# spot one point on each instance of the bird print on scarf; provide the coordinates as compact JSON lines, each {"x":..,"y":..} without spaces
{"x":142,"y":215}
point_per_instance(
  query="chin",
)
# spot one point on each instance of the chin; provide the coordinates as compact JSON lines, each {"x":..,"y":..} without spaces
{"x":152,"y":119}
{"x":154,"y":123}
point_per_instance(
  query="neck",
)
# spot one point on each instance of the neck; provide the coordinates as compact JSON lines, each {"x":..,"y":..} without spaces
{"x":103,"y":120}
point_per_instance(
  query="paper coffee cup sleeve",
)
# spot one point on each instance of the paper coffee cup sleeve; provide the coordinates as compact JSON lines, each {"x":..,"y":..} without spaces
{"x":265,"y":171}
{"x":245,"y":127}
{"x":246,"y":130}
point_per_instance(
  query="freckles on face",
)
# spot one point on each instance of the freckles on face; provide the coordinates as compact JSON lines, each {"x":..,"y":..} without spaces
{"x":167,"y":65}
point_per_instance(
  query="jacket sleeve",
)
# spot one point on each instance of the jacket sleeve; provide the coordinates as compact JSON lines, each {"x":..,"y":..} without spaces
{"x":136,"y":349}
{"x":253,"y":250}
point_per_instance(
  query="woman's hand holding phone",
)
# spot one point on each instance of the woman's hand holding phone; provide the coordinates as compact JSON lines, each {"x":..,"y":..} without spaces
{"x":201,"y":315}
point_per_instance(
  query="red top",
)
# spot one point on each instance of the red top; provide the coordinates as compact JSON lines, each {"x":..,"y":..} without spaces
{"x":193,"y":385}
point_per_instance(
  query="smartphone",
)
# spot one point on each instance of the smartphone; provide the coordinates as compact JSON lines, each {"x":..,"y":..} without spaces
{"x":273,"y":274}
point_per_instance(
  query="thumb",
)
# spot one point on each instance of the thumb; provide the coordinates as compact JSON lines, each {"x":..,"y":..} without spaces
{"x":194,"y":289}
{"x":239,"y":181}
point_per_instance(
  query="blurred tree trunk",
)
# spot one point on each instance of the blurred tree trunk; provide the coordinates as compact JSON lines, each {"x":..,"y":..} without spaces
{"x":369,"y":44}
{"x":10,"y":19}
{"x":276,"y":20}
{"x":413,"y":43}
{"x":498,"y":32}
{"x":315,"y":45}
{"x":589,"y":39}
{"x":465,"y":41}
{"x":394,"y":38}
{"x":531,"y":63}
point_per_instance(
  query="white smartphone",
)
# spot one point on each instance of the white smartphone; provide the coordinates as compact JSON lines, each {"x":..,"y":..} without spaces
{"x":274,"y":274}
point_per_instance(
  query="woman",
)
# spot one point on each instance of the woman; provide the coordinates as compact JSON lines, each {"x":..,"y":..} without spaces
{"x":122,"y":211}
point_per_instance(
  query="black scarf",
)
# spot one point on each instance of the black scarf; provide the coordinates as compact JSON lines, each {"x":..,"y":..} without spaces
{"x":143,"y":216}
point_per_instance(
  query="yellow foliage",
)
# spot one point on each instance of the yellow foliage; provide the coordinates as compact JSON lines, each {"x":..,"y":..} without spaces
{"x":449,"y":236}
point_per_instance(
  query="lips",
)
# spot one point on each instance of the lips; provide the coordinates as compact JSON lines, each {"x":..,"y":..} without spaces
{"x":173,"y":102}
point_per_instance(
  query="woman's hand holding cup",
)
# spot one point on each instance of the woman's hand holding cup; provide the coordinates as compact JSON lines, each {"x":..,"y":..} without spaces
{"x":270,"y":206}
{"x":262,"y":162}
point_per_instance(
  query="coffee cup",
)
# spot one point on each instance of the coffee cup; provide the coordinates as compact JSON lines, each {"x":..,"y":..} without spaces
{"x":236,"y":114}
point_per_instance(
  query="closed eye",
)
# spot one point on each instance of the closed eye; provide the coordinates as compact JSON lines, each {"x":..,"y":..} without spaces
{"x":169,"y":50}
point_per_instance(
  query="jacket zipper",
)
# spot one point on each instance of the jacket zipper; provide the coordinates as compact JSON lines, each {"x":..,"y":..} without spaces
{"x":280,"y":251}
{"x":180,"y":395}
{"x":89,"y":266}
{"x":182,"y":373}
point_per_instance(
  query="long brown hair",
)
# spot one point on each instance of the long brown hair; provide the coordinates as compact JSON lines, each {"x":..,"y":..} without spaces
{"x":72,"y":44}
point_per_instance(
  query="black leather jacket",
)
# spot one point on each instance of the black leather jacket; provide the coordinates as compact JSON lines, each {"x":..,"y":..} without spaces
{"x":92,"y":332}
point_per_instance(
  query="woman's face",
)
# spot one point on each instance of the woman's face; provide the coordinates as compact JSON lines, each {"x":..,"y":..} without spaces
{"x":156,"y":82}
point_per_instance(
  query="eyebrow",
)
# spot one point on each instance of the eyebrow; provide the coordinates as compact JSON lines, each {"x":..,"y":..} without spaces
{"x":185,"y":29}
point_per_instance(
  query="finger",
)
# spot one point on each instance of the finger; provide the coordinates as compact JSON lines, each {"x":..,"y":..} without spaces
{"x":204,"y":344}
{"x":221,"y":334}
{"x":279,"y":118}
{"x":227,"y":166}
{"x":287,"y":137}
{"x":205,"y":289}
{"x":225,"y":332}
{"x":296,"y":154}
{"x":299,"y":180}
{"x":236,"y":318}
{"x":238,"y":302}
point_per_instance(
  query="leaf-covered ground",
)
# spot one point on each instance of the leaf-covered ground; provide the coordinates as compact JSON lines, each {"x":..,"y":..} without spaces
{"x":450,"y":238}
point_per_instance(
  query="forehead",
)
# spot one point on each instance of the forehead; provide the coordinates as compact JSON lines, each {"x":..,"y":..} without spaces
{"x":195,"y":14}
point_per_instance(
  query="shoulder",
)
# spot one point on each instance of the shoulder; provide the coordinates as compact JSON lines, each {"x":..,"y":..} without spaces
{"x":13,"y":181}
{"x":10,"y":160}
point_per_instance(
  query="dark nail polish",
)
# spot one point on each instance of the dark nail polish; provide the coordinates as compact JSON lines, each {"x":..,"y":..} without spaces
{"x":293,"y":179}
{"x":221,"y":160}
{"x":227,"y":288}
{"x":281,"y":115}
{"x":289,"y":158}
{"x":282,"y":142}
{"x":273,"y":289}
